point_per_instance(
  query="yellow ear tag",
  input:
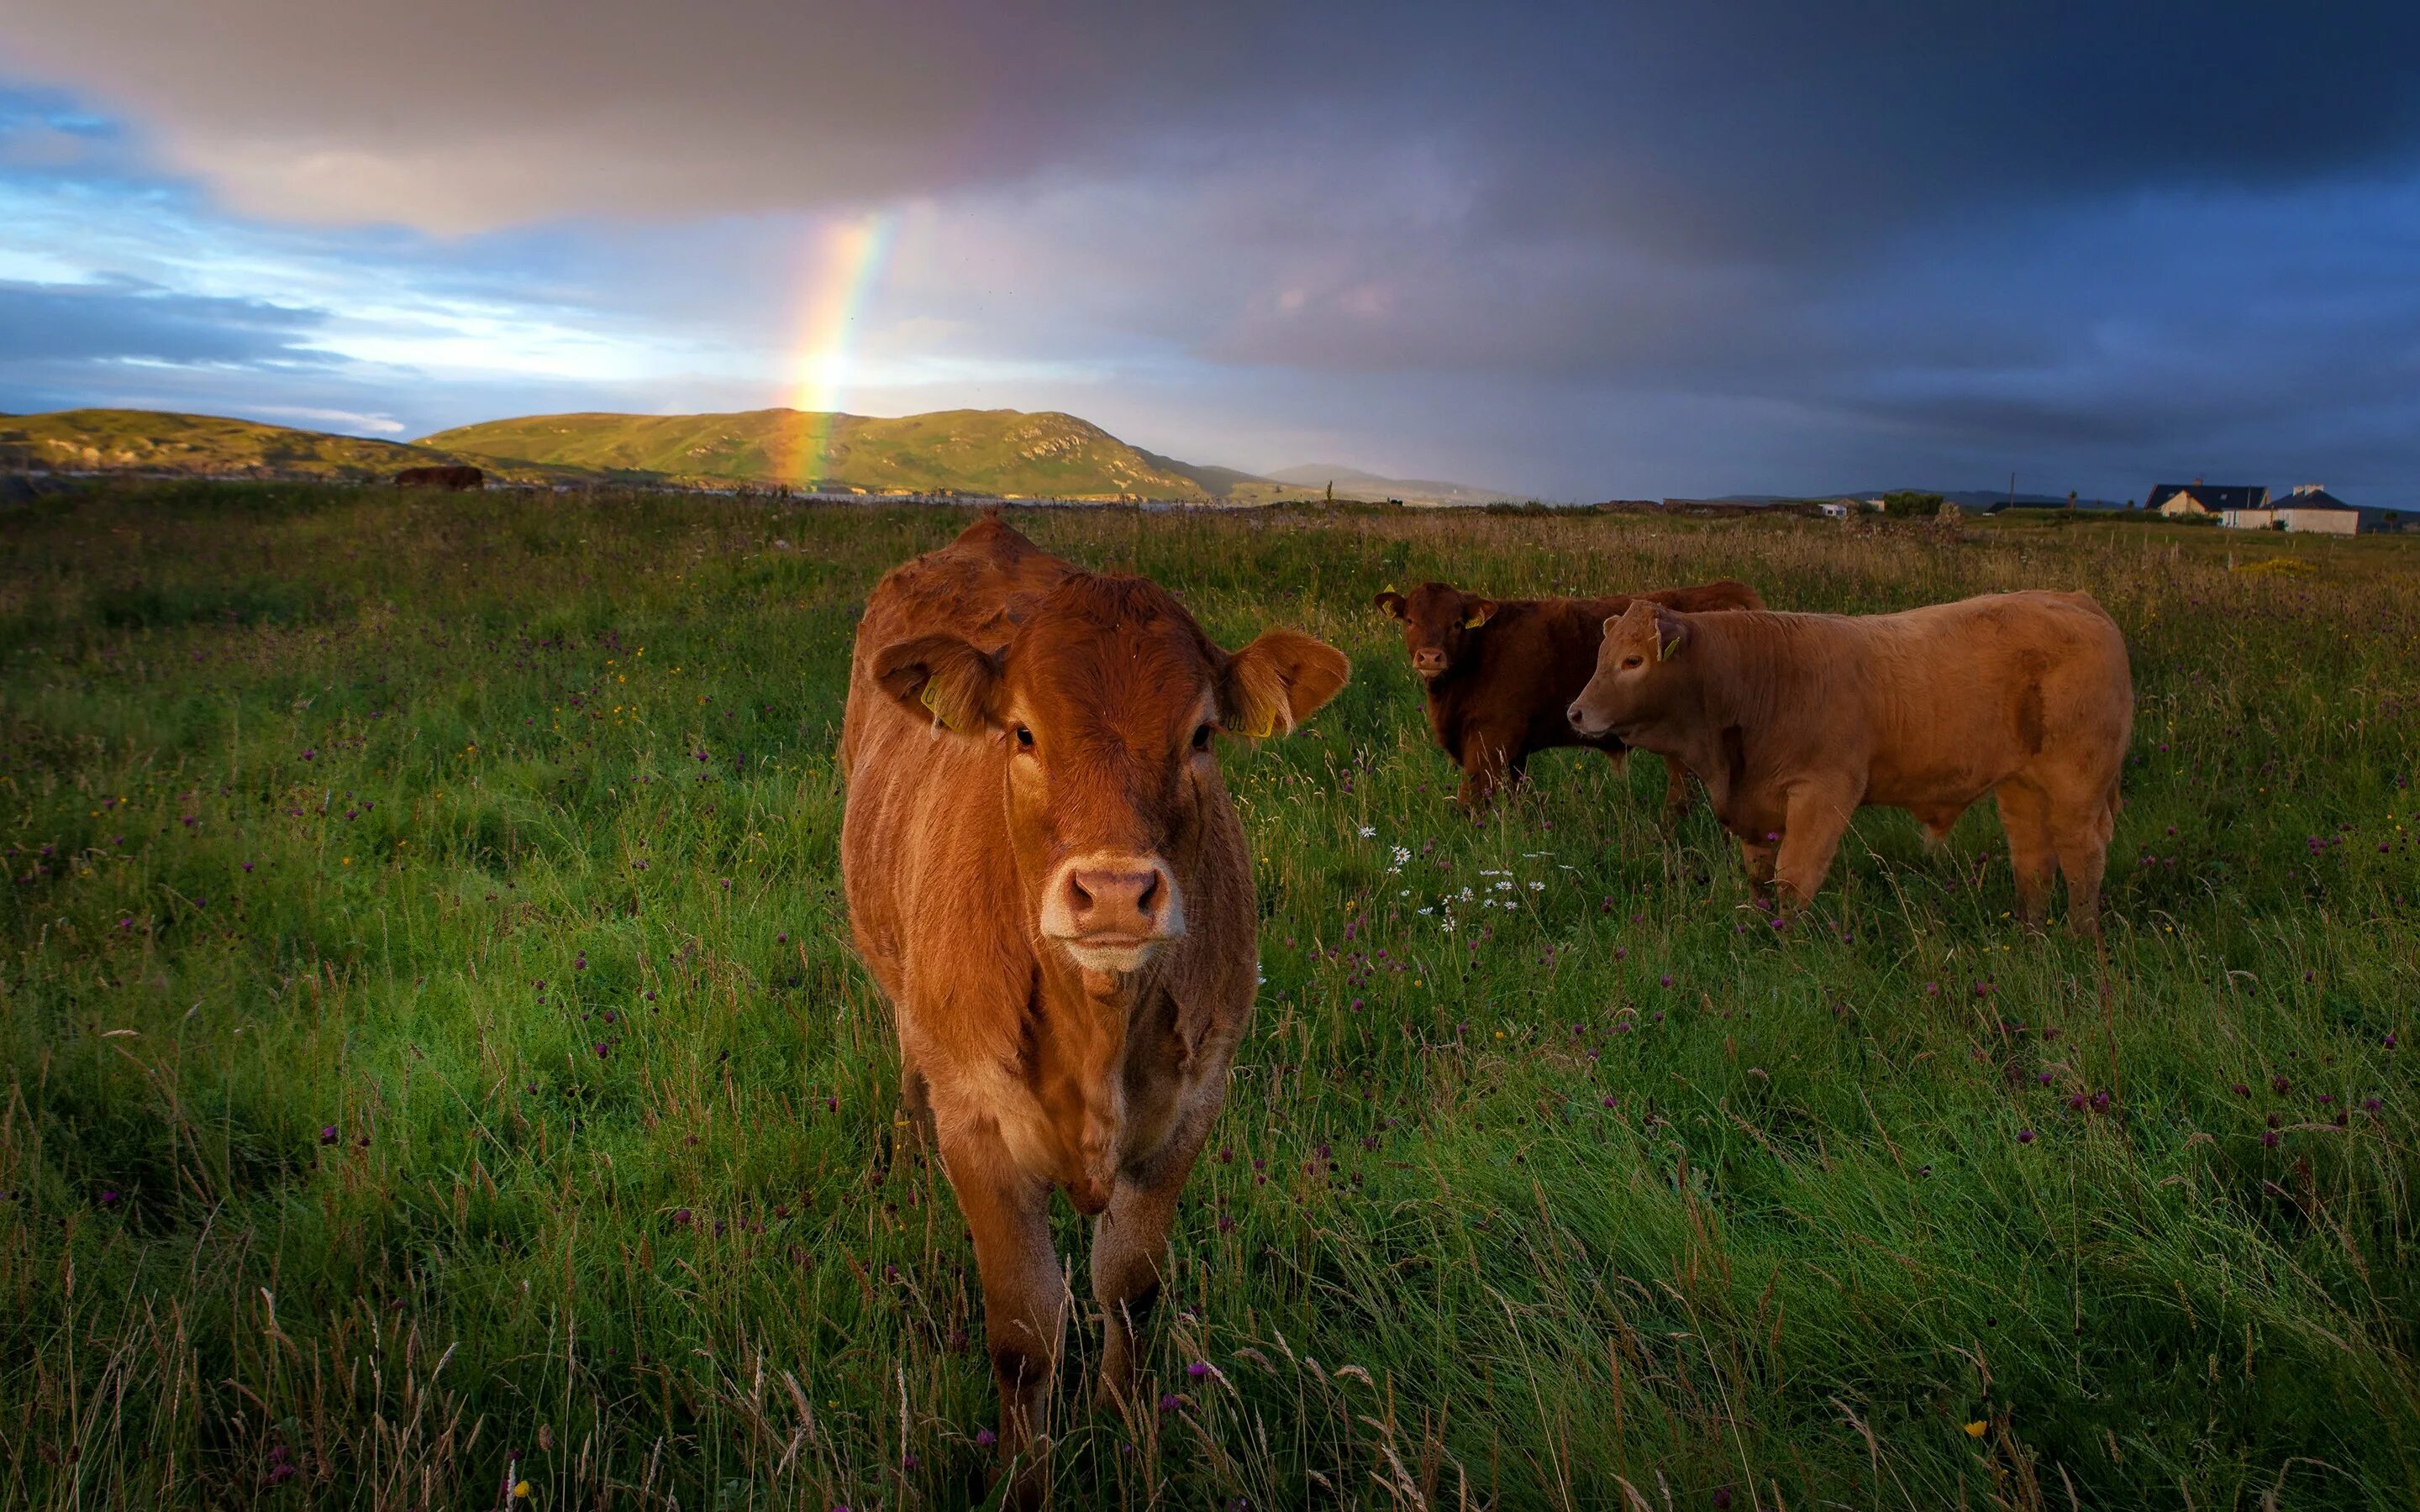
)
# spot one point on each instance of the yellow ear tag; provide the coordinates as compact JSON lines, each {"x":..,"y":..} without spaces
{"x":1267,"y":727}
{"x":1474,"y":622}
{"x":1662,"y":652}
{"x":931,"y":695}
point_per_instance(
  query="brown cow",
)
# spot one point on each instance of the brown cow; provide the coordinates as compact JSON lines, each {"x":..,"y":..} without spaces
{"x":1794,"y":720}
{"x":1497,"y":699}
{"x":1049,"y":882}
{"x":452,"y":476}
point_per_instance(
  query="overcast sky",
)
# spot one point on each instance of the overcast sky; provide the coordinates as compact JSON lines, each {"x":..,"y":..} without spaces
{"x":1584,"y":252}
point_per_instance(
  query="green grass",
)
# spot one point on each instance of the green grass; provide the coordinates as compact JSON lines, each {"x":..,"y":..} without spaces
{"x":496,"y":837}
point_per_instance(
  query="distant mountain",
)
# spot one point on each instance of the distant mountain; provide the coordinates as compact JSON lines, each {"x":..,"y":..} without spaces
{"x":150,"y":440}
{"x":1004,"y":452}
{"x":1226,"y":485}
{"x":1352,"y":483}
{"x":978,"y":451}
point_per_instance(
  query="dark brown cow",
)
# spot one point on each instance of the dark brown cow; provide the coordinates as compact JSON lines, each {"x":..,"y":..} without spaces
{"x":1047,"y":880}
{"x":1501,"y":674}
{"x":1794,"y":720}
{"x":450,"y":476}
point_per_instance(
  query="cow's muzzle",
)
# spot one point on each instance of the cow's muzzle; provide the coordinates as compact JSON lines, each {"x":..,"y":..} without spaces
{"x":1112,"y":912}
{"x":1428,"y":663}
{"x":1586,"y":720}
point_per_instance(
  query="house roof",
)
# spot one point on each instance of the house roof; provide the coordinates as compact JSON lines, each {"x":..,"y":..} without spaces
{"x":2312,"y":499}
{"x":2214,"y":497}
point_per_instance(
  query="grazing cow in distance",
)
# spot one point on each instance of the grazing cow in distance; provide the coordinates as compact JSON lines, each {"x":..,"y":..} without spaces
{"x":1501,"y":674}
{"x":1794,"y":720}
{"x":457,"y":477}
{"x":1047,"y":880}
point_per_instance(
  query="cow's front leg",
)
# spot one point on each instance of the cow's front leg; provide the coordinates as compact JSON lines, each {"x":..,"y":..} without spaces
{"x":1758,"y":856}
{"x":1024,"y":1298}
{"x":1130,"y":1243}
{"x":1676,"y":791}
{"x":1819,"y":815}
{"x":1491,"y":762}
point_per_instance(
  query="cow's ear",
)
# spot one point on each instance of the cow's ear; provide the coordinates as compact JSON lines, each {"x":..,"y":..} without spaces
{"x":1671,"y":634}
{"x":1393,"y":602}
{"x":940,"y":677}
{"x":1477,"y":612}
{"x":1277,"y":681}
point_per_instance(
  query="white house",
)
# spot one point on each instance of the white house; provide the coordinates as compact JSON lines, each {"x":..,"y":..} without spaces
{"x":2309,"y":508}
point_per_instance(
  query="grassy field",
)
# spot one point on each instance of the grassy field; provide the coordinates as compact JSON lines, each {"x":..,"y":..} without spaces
{"x":433,"y":1060}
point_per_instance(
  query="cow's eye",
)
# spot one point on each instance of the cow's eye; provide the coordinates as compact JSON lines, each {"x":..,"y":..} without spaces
{"x":1631,"y":663}
{"x":1024,"y":738}
{"x":1201,"y":734}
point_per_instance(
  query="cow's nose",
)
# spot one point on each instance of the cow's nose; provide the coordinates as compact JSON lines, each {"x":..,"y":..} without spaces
{"x":1123,"y":901}
{"x":1428,"y":661}
{"x":1578,"y":718}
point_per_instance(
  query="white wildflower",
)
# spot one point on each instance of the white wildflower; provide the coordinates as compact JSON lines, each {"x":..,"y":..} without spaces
{"x":1369,"y":832}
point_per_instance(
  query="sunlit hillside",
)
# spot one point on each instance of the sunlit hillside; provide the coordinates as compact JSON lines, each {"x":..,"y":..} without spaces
{"x":968,"y":450}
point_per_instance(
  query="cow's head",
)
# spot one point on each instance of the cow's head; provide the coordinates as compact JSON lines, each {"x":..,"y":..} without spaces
{"x":1441,"y":625}
{"x":1107,"y":702}
{"x":1641,"y":666}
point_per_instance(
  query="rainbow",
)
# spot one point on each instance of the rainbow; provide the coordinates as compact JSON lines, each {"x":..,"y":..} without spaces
{"x":843,"y":260}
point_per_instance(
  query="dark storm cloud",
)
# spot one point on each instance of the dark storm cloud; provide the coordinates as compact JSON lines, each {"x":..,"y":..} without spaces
{"x":1758,"y":128}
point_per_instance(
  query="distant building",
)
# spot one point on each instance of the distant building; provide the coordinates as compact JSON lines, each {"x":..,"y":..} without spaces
{"x":2204,"y":500}
{"x":2309,"y":508}
{"x":1840,"y":508}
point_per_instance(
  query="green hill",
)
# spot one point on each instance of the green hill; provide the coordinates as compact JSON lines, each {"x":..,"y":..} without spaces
{"x":970,"y":451}
{"x":1004,"y":452}
{"x":152,"y":441}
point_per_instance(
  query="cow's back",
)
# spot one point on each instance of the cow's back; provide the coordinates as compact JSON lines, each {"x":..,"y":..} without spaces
{"x":1933,"y":700}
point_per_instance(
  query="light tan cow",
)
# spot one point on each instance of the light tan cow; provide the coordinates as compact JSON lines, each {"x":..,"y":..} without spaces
{"x":1047,"y":880}
{"x":1794,"y":720}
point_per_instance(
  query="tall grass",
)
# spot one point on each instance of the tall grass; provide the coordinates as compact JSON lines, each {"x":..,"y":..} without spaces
{"x":433,"y":1060}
